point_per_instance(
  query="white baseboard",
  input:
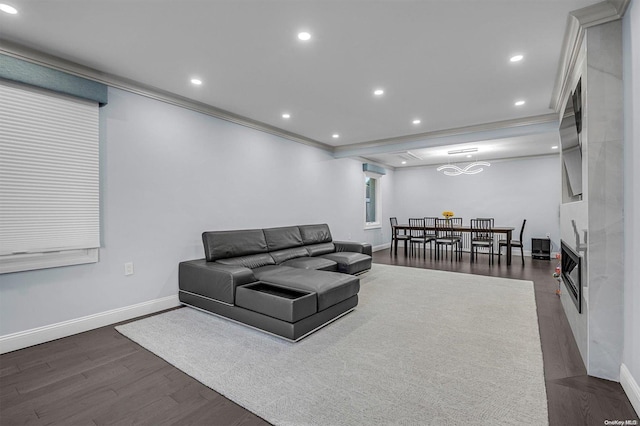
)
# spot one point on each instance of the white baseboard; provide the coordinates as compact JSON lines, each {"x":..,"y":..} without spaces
{"x":35,"y":336}
{"x":381,"y":247}
{"x":630,"y":387}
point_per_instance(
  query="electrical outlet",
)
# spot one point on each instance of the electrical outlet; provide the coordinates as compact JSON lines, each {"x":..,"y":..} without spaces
{"x":128,"y":268}
{"x":548,"y":235}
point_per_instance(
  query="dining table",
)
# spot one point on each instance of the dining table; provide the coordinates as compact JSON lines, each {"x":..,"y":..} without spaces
{"x":507,"y":230}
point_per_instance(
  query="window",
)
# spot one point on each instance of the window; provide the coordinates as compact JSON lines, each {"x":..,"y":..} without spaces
{"x":49,"y":179}
{"x":372,"y":200}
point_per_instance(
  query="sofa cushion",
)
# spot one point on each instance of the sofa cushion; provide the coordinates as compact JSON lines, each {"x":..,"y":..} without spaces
{"x":317,"y":263}
{"x":224,"y":244}
{"x":349,"y":262}
{"x":315,"y":234}
{"x":290,"y":253}
{"x":282,"y":238}
{"x":318,"y":249}
{"x":251,"y":261}
{"x":331,"y":287}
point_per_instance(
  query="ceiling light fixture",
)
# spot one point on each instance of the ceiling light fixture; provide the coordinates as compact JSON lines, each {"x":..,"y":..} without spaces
{"x":416,"y":121}
{"x":8,"y":9}
{"x":196,"y":81}
{"x":516,"y":58}
{"x":453,"y":170}
{"x":335,"y":136}
{"x":404,"y":162}
{"x":304,"y":36}
{"x":378,"y":92}
{"x":286,"y":115}
{"x":554,"y":147}
{"x":519,"y":103}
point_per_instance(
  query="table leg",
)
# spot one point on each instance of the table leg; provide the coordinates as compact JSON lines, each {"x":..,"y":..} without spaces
{"x":509,"y":236}
{"x":395,"y":244}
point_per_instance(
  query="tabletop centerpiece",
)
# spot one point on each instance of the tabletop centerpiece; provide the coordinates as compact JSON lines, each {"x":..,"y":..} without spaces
{"x":447,"y":214}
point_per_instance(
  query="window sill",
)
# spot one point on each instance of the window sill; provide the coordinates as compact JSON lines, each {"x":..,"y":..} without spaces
{"x":32,"y":261}
{"x":368,"y":226}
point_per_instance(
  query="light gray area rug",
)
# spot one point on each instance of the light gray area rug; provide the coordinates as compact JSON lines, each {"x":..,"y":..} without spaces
{"x":422,"y":347}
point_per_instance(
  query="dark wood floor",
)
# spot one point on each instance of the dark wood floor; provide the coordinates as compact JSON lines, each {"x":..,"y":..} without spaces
{"x":100,"y":377}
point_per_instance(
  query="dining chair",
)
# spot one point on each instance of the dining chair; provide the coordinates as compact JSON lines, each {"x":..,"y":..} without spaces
{"x":430,"y":232}
{"x":395,"y":235}
{"x":447,"y":236}
{"x":514,"y":243}
{"x":418,"y":236}
{"x":482,"y":237}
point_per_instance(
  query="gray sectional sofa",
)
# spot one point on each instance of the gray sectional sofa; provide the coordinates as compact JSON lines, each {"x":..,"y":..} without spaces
{"x":287,"y":281}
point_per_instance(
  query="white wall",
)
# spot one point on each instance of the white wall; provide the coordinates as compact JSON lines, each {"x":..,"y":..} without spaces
{"x":168,"y":174}
{"x":631,"y":81}
{"x":508,"y":191}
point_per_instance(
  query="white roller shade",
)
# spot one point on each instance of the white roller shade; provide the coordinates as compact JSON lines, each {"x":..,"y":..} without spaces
{"x":49,"y":172}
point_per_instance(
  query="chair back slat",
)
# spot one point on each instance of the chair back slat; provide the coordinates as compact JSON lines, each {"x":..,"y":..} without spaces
{"x":444,"y":228}
{"x":418,"y":223}
{"x":482,"y":229}
{"x":430,"y":222}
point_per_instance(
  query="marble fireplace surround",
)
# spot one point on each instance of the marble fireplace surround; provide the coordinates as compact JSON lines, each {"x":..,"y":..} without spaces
{"x":593,"y":227}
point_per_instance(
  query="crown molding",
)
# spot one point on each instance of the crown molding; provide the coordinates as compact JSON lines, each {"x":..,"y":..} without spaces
{"x":496,"y":160}
{"x":37,"y":57}
{"x":577,"y":22}
{"x":486,"y":131}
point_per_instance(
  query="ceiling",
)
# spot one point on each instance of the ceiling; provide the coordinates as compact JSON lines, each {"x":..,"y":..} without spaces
{"x":444,"y":62}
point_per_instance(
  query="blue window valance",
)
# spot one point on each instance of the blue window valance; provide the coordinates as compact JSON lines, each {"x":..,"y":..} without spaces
{"x":367,"y":167}
{"x":18,"y":70}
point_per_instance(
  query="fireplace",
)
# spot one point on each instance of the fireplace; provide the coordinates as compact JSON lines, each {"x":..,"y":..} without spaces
{"x":572,"y":273}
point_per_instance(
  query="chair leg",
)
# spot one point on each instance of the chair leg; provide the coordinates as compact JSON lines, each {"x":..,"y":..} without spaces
{"x":522,"y":254}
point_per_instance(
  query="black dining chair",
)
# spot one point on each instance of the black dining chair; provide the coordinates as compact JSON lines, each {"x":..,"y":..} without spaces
{"x":396,"y":235}
{"x":447,"y":236}
{"x":482,"y":237}
{"x":418,"y":236}
{"x":514,"y":243}
{"x":430,"y":232}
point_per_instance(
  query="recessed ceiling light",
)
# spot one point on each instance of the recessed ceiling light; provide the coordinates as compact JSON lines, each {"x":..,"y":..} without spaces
{"x":304,"y":36}
{"x":469,"y":156}
{"x":416,"y":121}
{"x":404,"y":162}
{"x":196,"y":81}
{"x":335,"y":136}
{"x":516,"y":58}
{"x":554,"y":147}
{"x":378,"y":92}
{"x":286,"y":115}
{"x":8,"y":9}
{"x":519,"y":103}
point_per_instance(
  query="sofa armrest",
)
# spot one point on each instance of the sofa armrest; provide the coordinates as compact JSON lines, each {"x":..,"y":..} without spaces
{"x":352,"y":246}
{"x":213,"y":280}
